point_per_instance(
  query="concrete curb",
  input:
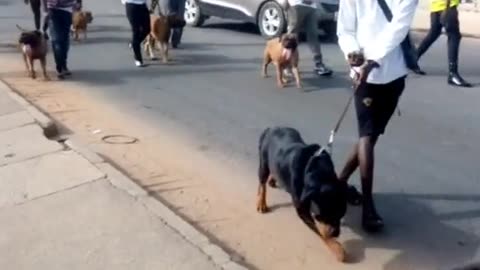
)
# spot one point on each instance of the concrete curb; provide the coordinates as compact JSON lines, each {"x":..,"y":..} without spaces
{"x":119,"y":180}
{"x":48,"y":125}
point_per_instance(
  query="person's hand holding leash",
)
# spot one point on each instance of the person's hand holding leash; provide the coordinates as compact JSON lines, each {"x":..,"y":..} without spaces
{"x":357,"y":59}
{"x":364,"y":71}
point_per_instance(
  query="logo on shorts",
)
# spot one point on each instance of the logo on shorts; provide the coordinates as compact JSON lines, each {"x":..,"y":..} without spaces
{"x":367,"y":101}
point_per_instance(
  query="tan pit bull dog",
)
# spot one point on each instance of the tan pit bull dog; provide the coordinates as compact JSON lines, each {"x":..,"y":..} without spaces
{"x":283,"y":53}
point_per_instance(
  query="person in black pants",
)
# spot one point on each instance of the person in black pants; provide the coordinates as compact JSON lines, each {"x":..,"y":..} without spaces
{"x":36,"y":7}
{"x":447,"y":19}
{"x":177,"y":7}
{"x":139,"y":17}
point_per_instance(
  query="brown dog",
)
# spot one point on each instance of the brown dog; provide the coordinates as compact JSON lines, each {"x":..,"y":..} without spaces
{"x":33,"y":45}
{"x":80,"y":21}
{"x":161,"y":28}
{"x":283,"y":53}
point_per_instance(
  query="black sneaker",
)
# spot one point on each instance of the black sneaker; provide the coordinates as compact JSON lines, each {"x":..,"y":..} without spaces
{"x":371,"y":220}
{"x":322,"y":70}
{"x":66,"y":72}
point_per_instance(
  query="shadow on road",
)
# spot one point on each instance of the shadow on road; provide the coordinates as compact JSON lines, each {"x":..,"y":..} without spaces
{"x":423,"y":239}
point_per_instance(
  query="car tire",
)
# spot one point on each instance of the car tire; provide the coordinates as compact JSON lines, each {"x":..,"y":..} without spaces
{"x":193,"y":15}
{"x":271,"y":20}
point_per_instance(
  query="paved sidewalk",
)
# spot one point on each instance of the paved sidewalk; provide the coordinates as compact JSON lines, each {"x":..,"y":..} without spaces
{"x":60,"y":211}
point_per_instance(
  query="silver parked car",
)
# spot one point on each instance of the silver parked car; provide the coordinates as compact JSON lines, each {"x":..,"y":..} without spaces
{"x":268,"y":15}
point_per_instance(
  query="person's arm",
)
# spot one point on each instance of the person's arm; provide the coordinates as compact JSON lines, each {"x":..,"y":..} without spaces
{"x":347,"y":27}
{"x":395,"y":32}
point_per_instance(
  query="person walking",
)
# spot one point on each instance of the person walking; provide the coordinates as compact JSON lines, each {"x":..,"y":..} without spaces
{"x":59,"y":14}
{"x":372,"y":46}
{"x":444,"y":14}
{"x":171,"y":7}
{"x":177,"y":7}
{"x":139,"y":17}
{"x":302,"y":15}
{"x":36,"y":6}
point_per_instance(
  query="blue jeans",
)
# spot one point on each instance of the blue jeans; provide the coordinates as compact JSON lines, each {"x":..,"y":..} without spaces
{"x":60,"y":22}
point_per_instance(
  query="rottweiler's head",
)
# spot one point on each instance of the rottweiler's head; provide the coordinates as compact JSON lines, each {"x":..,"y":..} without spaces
{"x":31,"y":38}
{"x":176,"y":21}
{"x":289,"y":41}
{"x":326,"y":195}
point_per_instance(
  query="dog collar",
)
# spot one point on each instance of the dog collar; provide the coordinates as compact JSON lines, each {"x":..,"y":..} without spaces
{"x":320,"y":151}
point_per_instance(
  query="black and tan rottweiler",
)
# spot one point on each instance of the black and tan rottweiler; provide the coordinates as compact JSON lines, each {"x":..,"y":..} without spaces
{"x":307,"y":173}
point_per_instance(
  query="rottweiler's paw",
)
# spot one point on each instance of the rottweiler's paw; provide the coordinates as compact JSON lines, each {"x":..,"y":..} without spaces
{"x":338,"y":250}
{"x":46,"y":79}
{"x":262,"y":208}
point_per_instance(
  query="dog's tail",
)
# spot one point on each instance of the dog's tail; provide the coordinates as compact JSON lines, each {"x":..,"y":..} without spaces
{"x":20,"y":28}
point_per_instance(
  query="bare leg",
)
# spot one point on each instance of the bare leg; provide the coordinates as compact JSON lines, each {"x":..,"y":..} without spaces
{"x":371,"y":221}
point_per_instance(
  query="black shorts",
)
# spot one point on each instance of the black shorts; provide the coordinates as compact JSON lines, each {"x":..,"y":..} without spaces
{"x":375,"y":105}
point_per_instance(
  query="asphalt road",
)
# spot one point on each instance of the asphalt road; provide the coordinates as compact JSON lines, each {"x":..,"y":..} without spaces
{"x":427,"y":165}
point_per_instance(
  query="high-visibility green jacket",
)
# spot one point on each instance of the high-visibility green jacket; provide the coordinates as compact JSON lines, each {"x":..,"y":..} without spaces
{"x":441,"y":5}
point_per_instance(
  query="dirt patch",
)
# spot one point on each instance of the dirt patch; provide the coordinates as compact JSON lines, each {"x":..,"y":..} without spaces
{"x":175,"y":170}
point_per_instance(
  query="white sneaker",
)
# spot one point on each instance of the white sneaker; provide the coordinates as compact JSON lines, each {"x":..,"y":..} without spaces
{"x":139,"y":64}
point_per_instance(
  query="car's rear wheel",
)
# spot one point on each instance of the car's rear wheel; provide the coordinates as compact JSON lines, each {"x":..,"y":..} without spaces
{"x":271,"y":20}
{"x":193,"y":15}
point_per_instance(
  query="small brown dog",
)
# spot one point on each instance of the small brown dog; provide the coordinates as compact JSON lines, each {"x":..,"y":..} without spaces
{"x":80,"y":21}
{"x":161,"y":28}
{"x":33,"y":45}
{"x":283,"y":53}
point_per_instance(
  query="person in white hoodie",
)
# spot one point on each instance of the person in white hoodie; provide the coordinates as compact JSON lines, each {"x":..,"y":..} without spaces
{"x":139,"y":17}
{"x":370,"y":33}
{"x":302,"y":15}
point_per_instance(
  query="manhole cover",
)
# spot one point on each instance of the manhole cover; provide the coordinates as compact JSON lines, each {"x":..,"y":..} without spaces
{"x":119,"y":139}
